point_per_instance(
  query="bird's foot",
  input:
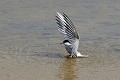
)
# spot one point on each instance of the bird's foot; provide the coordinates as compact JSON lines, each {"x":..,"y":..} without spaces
{"x":75,"y":56}
{"x":71,"y":56}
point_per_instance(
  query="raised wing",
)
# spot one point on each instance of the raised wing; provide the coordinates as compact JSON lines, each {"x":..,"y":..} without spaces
{"x":66,"y":27}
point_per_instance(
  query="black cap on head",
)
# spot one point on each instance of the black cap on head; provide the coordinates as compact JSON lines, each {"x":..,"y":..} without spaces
{"x":65,"y":41}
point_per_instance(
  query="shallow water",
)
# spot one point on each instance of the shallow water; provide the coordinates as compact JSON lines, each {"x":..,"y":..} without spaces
{"x":29,"y":40}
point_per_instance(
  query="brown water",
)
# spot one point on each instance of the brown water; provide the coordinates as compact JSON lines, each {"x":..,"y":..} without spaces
{"x":29,"y":38}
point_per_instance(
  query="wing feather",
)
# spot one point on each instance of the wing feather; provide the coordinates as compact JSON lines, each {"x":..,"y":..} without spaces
{"x":66,"y":26}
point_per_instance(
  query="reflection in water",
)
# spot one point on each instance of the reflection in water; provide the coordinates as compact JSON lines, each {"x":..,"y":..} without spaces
{"x":68,"y":69}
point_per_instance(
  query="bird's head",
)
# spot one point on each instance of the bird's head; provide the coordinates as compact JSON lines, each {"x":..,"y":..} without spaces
{"x":65,"y":41}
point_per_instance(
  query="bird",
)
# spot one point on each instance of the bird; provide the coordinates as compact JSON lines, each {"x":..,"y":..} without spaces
{"x":70,"y":35}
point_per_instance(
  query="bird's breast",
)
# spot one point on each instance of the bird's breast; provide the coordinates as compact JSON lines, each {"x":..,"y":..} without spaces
{"x":68,"y":48}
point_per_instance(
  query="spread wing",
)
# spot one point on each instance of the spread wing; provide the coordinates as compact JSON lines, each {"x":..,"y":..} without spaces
{"x":68,"y":29}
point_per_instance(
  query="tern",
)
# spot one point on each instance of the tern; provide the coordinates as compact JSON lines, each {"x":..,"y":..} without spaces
{"x":70,"y":35}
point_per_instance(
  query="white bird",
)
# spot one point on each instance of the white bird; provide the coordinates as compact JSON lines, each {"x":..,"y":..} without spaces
{"x":71,"y":37}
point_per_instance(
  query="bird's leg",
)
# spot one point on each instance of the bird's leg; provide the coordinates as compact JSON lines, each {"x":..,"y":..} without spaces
{"x":72,"y":56}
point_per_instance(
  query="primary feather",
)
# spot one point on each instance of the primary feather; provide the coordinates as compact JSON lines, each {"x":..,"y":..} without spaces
{"x":66,"y":26}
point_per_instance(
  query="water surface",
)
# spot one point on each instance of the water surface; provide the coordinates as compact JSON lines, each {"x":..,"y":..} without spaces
{"x":29,"y":40}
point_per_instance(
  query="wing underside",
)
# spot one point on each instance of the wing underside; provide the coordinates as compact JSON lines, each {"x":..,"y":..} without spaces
{"x":66,"y":26}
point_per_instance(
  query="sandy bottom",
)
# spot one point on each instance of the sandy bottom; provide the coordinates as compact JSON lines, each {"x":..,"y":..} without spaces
{"x":29,"y":40}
